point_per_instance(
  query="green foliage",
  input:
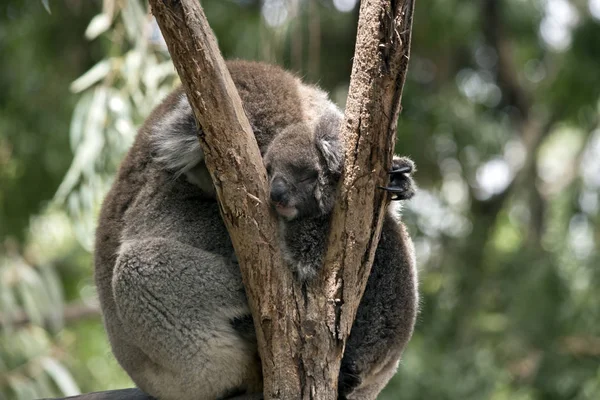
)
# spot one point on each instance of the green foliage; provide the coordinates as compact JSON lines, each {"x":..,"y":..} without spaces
{"x":505,"y":224}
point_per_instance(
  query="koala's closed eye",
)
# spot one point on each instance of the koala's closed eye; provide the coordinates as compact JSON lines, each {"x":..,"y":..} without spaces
{"x":309,"y":176}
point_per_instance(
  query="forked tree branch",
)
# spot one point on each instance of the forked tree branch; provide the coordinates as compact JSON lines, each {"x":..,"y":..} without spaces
{"x":301,"y":333}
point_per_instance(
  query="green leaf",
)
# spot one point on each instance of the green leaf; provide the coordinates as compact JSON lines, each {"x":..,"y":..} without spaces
{"x":47,"y":6}
{"x":92,"y":76}
{"x":98,"y":25}
{"x":60,"y":376}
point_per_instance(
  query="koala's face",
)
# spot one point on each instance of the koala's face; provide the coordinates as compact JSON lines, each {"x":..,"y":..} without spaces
{"x":303,"y":168}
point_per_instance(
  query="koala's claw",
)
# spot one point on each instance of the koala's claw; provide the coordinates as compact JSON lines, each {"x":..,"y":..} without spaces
{"x":401,"y":185}
{"x":405,"y":169}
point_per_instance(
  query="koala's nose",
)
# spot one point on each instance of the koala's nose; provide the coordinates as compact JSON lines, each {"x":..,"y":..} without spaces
{"x":279,"y":191}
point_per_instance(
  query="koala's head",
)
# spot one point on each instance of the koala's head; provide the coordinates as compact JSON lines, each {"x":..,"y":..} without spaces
{"x":303,"y":168}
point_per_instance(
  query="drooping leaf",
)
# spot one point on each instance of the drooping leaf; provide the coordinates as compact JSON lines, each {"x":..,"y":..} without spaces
{"x":98,"y":25}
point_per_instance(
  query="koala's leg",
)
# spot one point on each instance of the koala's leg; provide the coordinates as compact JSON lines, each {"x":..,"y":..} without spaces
{"x":178,"y":306}
{"x":385,"y":318}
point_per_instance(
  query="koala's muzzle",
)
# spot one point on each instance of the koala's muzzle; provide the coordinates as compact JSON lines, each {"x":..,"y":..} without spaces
{"x":280,"y":191}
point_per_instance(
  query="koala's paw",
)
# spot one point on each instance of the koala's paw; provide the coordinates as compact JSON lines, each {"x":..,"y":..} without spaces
{"x":401,"y":184}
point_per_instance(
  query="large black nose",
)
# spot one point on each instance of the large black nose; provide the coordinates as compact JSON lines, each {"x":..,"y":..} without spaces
{"x":279,"y":191}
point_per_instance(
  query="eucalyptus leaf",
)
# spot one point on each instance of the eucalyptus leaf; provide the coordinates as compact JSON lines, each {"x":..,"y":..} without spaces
{"x":8,"y":303}
{"x":90,"y":147}
{"x":45,"y":386}
{"x":53,"y":288}
{"x":78,"y":120}
{"x":98,"y":25}
{"x":28,"y":294}
{"x":134,"y":18}
{"x":21,"y":387}
{"x":92,"y":76}
{"x":60,"y":376}
{"x":46,"y":4}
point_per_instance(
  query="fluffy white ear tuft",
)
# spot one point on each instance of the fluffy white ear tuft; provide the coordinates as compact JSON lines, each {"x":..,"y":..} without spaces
{"x":175,"y":138}
{"x":329,"y":141}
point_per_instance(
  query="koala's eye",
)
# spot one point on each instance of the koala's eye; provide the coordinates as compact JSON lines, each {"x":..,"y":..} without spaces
{"x":269,"y":169}
{"x":310,"y":176}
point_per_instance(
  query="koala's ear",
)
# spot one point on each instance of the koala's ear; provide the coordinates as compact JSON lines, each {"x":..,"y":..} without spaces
{"x":329,"y":141}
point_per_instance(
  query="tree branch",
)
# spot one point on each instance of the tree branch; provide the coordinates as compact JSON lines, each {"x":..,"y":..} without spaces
{"x":378,"y":75}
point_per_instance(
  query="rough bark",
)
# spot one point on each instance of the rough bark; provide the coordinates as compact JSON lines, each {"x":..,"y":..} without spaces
{"x":378,"y":74}
{"x":301,"y":331}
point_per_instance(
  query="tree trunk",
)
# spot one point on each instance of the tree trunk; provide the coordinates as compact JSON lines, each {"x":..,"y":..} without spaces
{"x":301,"y":331}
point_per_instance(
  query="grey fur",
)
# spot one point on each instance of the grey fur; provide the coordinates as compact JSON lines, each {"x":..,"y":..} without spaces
{"x":329,"y":142}
{"x":178,"y":153}
{"x":170,"y":288}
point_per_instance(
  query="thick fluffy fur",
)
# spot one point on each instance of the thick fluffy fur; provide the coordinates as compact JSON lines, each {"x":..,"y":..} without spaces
{"x":171,"y":292}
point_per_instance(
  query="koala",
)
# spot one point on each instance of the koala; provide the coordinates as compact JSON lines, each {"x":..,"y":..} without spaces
{"x":169,"y":285}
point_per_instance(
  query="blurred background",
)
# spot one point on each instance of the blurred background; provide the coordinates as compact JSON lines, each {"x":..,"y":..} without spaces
{"x":501,"y":115}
